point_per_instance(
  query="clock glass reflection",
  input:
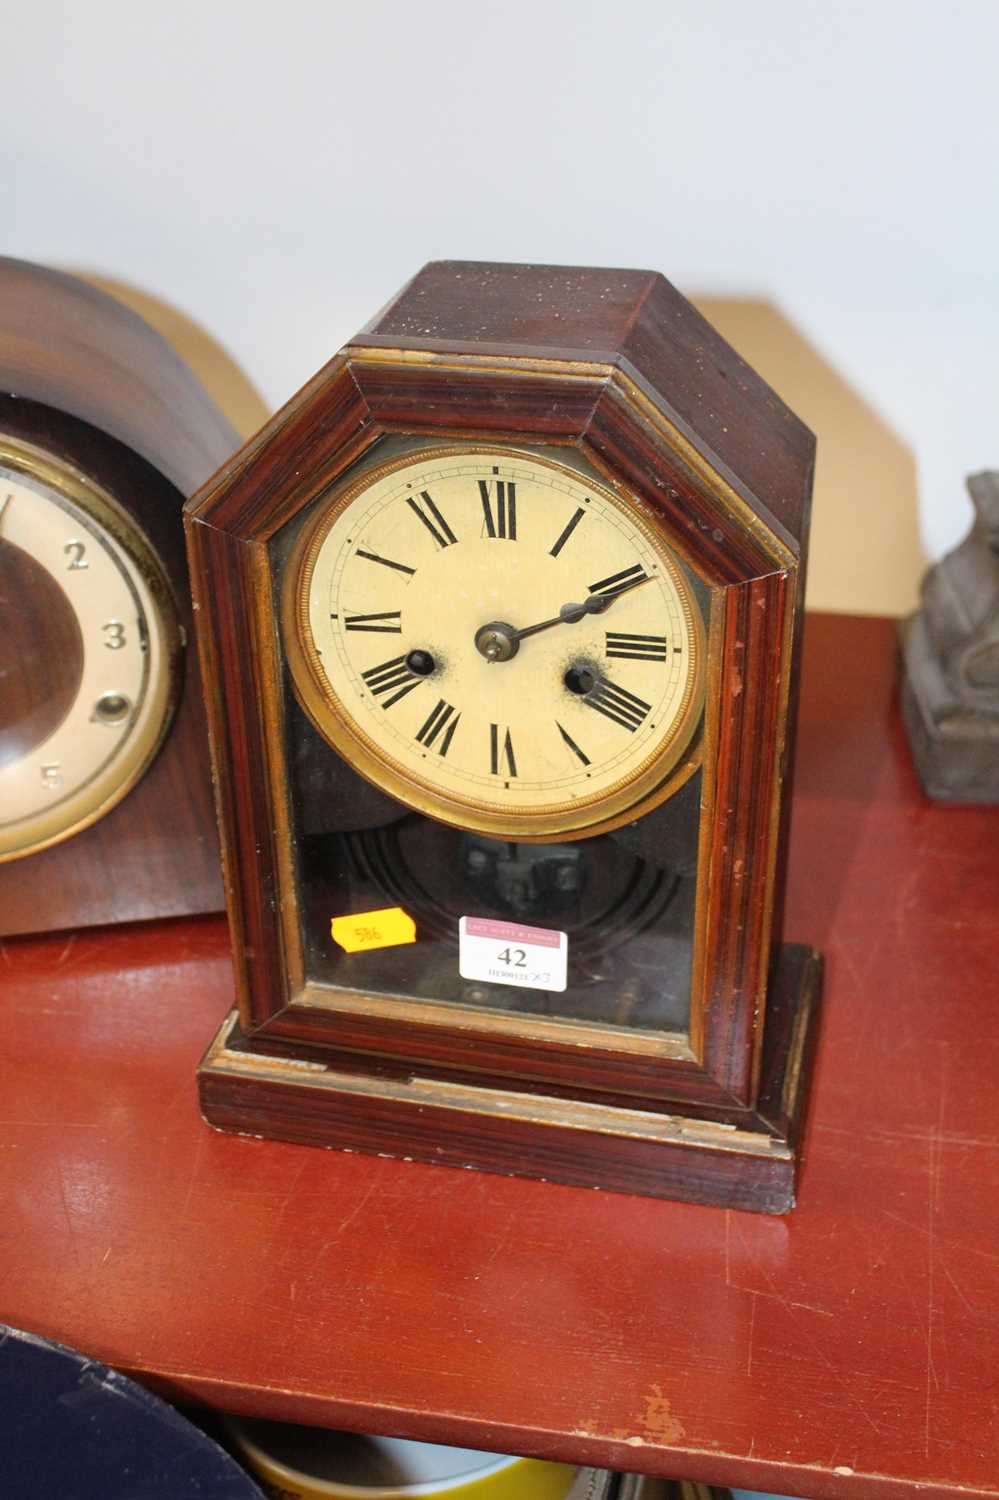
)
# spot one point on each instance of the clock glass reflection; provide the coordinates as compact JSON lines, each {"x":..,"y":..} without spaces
{"x":625,"y":899}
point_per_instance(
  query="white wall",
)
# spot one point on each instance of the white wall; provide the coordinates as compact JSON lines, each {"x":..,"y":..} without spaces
{"x":276,"y":171}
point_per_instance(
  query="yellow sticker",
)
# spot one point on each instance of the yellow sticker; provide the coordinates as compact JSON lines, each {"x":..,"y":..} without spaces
{"x":386,"y":928}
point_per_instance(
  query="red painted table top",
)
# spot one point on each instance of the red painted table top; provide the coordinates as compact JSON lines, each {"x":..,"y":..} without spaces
{"x":850,"y":1349}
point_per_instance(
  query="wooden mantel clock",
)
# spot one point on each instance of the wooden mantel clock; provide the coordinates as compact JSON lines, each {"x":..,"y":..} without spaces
{"x":105,"y":790}
{"x":499,"y":626}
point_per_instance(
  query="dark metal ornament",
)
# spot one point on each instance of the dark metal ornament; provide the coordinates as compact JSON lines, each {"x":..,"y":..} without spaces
{"x":950,"y":662}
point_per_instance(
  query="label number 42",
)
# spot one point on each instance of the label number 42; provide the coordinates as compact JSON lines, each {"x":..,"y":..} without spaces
{"x":513,"y":957}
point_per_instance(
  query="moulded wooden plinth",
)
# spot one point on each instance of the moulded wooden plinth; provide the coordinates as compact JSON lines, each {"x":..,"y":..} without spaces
{"x":749,"y":1165}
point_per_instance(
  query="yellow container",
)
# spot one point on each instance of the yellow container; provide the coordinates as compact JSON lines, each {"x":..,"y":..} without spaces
{"x":309,"y":1463}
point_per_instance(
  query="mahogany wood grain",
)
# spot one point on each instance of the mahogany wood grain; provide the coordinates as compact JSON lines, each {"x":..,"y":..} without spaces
{"x":845,"y":1353}
{"x":634,"y":319}
{"x":72,"y":348}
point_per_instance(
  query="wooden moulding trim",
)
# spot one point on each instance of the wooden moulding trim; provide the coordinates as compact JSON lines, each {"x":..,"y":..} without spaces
{"x":626,"y":385}
{"x":528,"y":1135}
{"x":513,"y":405}
{"x":740,"y":909}
{"x":633,"y":452}
{"x":235,"y":671}
{"x":768,"y":533}
{"x":790,"y":1040}
{"x":792,"y":603}
{"x":207,"y":642}
{"x":531,"y":1108}
{"x":449,"y":359}
{"x":653,"y":1046}
{"x":201,"y":504}
{"x":491,"y":1125}
{"x":396,"y":1030}
{"x":255,"y":494}
{"x":701,"y":958}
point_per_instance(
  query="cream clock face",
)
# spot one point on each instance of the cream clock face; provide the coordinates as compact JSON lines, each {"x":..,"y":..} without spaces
{"x":88,"y":651}
{"x":496,"y":641}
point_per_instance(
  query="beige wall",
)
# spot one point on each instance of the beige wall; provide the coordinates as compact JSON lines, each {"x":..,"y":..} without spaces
{"x":866,"y":552}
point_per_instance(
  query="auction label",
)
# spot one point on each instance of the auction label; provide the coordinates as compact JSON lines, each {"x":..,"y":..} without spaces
{"x":536,"y":958}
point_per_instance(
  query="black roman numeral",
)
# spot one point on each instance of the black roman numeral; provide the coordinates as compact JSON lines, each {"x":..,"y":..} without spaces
{"x":500,"y":512}
{"x":616,"y":582}
{"x":567,"y":533}
{"x":579,"y":754}
{"x":443,"y":717}
{"x":432,"y":519}
{"x":391,"y":677}
{"x":386,"y":562}
{"x":501,"y":750}
{"x":618,"y":704}
{"x":636,"y":647}
{"x":376,"y":624}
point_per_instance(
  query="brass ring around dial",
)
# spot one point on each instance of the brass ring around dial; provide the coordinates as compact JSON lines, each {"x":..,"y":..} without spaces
{"x":95,"y":681}
{"x":434,"y":555}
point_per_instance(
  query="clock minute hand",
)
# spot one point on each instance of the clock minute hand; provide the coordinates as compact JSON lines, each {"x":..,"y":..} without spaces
{"x":499,"y":641}
{"x":571,"y":614}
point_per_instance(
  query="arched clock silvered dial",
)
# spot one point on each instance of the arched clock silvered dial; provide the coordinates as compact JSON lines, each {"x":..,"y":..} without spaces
{"x":89,"y":651}
{"x":498,"y":642}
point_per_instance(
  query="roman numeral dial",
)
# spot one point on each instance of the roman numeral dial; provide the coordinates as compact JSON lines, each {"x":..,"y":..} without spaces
{"x":541,"y":686}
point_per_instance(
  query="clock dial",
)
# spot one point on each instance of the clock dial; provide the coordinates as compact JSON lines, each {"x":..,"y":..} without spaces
{"x":88,"y":645}
{"x":497,"y":641}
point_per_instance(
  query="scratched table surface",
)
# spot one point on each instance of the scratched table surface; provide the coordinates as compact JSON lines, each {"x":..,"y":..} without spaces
{"x":849,"y":1349}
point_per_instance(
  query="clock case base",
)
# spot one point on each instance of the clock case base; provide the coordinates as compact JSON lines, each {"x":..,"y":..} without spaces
{"x":750,"y":1163}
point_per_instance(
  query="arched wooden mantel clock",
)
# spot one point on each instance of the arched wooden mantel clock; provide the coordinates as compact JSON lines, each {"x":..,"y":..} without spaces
{"x":105,"y":792}
{"x":499,"y":626}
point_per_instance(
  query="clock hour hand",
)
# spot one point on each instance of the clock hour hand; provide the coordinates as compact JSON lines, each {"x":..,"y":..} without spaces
{"x":499,"y":641}
{"x":571,"y":614}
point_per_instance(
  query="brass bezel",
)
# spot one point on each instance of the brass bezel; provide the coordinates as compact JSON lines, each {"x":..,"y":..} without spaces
{"x":111,"y":517}
{"x":661,"y":774}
